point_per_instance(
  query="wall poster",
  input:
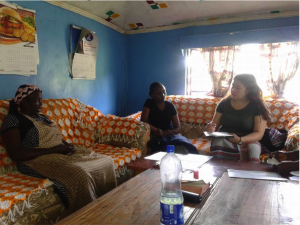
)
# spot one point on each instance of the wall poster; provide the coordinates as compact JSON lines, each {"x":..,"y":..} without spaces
{"x":83,"y":53}
{"x":18,"y":40}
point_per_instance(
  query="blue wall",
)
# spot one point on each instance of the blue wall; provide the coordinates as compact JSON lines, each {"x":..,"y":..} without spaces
{"x":107,"y":92}
{"x":127,"y":65}
{"x":158,"y":56}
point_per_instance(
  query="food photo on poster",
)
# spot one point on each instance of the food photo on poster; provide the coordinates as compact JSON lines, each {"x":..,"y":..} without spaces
{"x":16,"y":24}
{"x":18,"y":40}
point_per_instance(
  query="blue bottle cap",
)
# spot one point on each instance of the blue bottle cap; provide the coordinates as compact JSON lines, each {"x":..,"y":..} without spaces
{"x":170,"y":148}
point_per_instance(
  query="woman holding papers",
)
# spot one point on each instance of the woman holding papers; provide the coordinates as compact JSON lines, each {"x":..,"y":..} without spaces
{"x":163,"y":119}
{"x":244,"y":115}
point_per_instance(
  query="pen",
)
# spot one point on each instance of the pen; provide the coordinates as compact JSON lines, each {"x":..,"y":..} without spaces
{"x":206,"y":120}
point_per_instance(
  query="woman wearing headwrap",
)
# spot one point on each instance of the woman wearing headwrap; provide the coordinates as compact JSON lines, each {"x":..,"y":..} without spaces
{"x":34,"y":142}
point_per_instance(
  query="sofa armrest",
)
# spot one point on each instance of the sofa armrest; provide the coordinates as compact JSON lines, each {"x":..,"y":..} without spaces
{"x":123,"y":132}
{"x":292,"y":140}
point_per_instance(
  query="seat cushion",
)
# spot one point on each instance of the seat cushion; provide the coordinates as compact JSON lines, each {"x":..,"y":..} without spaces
{"x":122,"y":156}
{"x":22,"y":191}
{"x":202,"y":145}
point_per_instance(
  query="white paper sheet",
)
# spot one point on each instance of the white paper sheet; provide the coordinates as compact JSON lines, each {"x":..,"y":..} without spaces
{"x":188,"y":162}
{"x":259,"y":175}
{"x":294,"y":178}
{"x":272,"y":161}
{"x":295,"y":173}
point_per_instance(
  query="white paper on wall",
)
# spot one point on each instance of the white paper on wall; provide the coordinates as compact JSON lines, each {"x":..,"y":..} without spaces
{"x":83,"y":53}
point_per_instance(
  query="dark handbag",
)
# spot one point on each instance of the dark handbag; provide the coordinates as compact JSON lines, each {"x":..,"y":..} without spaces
{"x":273,"y":139}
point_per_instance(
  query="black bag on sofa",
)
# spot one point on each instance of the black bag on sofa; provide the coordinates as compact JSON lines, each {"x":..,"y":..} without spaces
{"x":273,"y":139}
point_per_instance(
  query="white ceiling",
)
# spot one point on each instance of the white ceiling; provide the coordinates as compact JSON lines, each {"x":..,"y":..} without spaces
{"x":182,"y":12}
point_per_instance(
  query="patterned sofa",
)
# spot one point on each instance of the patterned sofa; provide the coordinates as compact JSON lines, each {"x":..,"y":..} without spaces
{"x":193,"y":111}
{"x":27,"y":200}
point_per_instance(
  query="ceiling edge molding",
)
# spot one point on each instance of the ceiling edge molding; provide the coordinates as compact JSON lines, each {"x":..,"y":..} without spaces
{"x":215,"y":22}
{"x":86,"y":14}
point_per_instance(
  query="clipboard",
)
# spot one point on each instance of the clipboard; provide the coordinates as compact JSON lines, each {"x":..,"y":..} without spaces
{"x":217,"y":134}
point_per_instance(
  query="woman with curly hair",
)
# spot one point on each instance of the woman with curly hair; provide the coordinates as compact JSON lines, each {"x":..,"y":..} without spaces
{"x":244,"y":115}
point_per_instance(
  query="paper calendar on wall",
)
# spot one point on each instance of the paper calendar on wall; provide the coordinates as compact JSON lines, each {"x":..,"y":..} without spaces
{"x":83,"y":53}
{"x":18,"y":40}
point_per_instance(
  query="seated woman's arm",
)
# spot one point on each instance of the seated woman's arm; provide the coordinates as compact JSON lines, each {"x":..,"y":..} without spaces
{"x":175,"y":121}
{"x":145,"y":117}
{"x":12,"y":141}
{"x":176,"y":125}
{"x":258,"y":131}
{"x":215,"y":124}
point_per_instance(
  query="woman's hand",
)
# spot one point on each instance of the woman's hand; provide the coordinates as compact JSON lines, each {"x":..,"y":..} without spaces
{"x":211,"y":127}
{"x":168,"y":132}
{"x":66,"y":148}
{"x":158,"y":132}
{"x":235,"y":139}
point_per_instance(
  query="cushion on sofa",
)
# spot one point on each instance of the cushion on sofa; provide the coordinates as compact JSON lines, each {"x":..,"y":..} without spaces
{"x":282,"y":112}
{"x":202,"y":145}
{"x":122,"y":156}
{"x":292,"y":141}
{"x":76,"y":120}
{"x":194,"y":110}
{"x":123,"y":132}
{"x":15,"y":193}
{"x":6,"y":164}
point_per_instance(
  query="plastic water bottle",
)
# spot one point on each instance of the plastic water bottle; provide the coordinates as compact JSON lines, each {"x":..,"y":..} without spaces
{"x":171,"y":199}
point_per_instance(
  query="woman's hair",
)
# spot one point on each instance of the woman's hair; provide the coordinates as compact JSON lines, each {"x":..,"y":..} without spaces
{"x":155,"y":85}
{"x":254,"y":93}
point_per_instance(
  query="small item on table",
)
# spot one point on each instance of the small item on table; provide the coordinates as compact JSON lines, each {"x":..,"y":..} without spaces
{"x":196,"y":174}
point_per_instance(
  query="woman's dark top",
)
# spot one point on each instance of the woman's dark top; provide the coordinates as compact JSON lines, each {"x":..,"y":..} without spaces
{"x":239,"y":122}
{"x":158,"y":118}
{"x":29,"y":133}
{"x":30,"y":139}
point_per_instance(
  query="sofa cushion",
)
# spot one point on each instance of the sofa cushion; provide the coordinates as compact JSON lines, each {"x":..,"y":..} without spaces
{"x":194,"y":110}
{"x":77,"y":121}
{"x":292,"y":141}
{"x":122,"y":156}
{"x":6,"y":164}
{"x":282,"y":111}
{"x":117,"y":128}
{"x":15,"y":192}
{"x":202,"y":145}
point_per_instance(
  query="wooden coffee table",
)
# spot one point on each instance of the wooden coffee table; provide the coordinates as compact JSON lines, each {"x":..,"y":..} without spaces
{"x":248,"y":201}
{"x":137,"y":200}
{"x":134,"y":202}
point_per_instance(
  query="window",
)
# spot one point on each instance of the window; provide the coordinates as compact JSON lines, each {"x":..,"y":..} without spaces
{"x":251,"y":59}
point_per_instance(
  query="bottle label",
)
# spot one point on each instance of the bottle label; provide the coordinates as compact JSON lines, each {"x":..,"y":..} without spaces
{"x":171,"y":214}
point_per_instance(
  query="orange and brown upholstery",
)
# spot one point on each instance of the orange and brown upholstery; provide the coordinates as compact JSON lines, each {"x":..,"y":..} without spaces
{"x":193,"y":112}
{"x":85,"y":127}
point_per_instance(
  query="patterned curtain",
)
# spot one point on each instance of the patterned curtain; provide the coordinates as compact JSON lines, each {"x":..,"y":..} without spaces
{"x":188,"y":72}
{"x":282,"y":61}
{"x":220,"y":64}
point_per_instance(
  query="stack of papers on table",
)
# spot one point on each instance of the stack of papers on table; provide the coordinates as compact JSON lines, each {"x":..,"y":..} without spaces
{"x":259,"y":175}
{"x":188,"y":162}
